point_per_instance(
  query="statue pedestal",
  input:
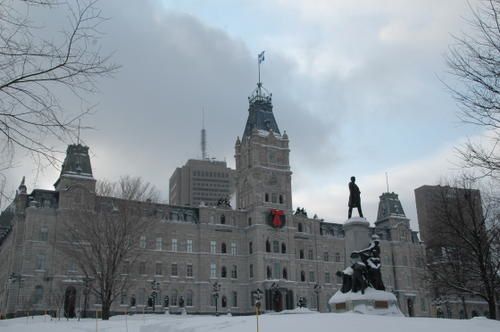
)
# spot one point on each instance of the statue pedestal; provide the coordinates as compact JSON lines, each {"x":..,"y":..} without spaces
{"x":372,"y":302}
{"x":357,"y":235}
{"x":183,"y":311}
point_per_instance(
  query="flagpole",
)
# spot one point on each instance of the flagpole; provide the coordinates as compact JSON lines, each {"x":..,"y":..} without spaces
{"x":258,"y":65}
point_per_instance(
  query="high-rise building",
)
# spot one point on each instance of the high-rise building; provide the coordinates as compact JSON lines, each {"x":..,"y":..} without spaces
{"x":201,"y":182}
{"x":445,"y":216}
{"x":433,"y":202}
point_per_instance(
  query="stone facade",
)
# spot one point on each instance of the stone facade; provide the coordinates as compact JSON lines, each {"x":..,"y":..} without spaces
{"x":260,"y":244}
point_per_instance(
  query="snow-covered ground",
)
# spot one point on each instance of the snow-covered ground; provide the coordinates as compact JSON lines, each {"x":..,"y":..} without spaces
{"x":289,"y":322}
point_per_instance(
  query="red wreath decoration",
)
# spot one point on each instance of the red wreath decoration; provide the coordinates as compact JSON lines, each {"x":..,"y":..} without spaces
{"x":277,"y":217}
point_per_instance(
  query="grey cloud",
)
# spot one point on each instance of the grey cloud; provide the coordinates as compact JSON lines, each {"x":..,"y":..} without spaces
{"x":148,"y":117}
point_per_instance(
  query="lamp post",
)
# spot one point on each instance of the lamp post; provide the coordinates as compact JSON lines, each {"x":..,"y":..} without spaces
{"x":13,"y":278}
{"x":155,"y":286}
{"x":317,"y":290}
{"x":86,"y":291}
{"x":215,"y":293}
{"x":258,"y":297}
{"x":257,"y":294}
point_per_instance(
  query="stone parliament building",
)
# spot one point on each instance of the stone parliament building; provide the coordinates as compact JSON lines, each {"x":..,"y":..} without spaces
{"x":261,"y":243}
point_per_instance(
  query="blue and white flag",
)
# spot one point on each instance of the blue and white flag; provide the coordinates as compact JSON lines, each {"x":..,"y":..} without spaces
{"x":261,"y":57}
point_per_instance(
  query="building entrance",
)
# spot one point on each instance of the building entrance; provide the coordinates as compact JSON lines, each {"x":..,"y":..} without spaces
{"x":69,"y":302}
{"x":278,"y":299}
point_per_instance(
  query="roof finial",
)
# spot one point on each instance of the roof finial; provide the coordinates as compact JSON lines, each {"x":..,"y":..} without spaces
{"x":22,"y":187}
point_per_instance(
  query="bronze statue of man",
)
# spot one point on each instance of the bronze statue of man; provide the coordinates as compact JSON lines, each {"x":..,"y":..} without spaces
{"x":354,"y":197}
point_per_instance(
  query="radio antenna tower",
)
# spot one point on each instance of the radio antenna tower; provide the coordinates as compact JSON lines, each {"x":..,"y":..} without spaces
{"x":203,"y":137}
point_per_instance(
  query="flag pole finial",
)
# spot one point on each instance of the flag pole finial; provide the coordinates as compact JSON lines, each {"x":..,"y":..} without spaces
{"x":260,"y":59}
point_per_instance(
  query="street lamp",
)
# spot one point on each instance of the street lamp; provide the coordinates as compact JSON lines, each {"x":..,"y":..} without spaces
{"x":155,"y":286}
{"x":257,"y":294}
{"x":215,"y":293}
{"x":86,"y":291}
{"x":13,"y":278}
{"x":317,"y":290}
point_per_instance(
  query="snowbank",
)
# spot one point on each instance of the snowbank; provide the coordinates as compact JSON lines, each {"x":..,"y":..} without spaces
{"x":324,"y":322}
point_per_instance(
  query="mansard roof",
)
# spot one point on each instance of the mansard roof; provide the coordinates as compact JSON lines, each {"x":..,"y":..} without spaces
{"x":390,"y":206}
{"x":260,"y":112}
{"x":77,"y":161}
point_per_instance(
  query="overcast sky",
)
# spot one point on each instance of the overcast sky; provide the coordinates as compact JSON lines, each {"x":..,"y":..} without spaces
{"x":356,"y":85}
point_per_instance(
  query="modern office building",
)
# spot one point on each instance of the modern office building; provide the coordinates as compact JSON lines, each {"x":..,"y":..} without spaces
{"x":201,"y":182}
{"x":440,"y":209}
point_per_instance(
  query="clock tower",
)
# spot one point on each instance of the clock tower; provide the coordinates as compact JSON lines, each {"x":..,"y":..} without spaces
{"x":262,"y":159}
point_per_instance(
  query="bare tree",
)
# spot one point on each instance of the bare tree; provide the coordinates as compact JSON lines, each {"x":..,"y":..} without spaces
{"x":474,"y":60}
{"x":56,"y":299}
{"x":104,"y":244}
{"x":35,"y":71}
{"x":464,"y":260}
{"x":129,"y":188}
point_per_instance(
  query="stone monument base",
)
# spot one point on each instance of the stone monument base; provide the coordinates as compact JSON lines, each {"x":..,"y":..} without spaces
{"x":372,"y":302}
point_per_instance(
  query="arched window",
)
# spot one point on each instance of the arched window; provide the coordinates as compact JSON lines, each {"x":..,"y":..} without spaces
{"x":37,"y":297}
{"x":223,"y":272}
{"x":281,"y":199}
{"x":189,"y":298}
{"x":268,"y":246}
{"x":300,"y":227}
{"x":283,"y":248}
{"x":269,"y":272}
{"x":266,"y":199}
{"x":223,"y":248}
{"x":222,"y":219}
{"x":302,"y":276}
{"x":224,"y":301}
{"x":285,"y":273}
{"x":250,"y":247}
